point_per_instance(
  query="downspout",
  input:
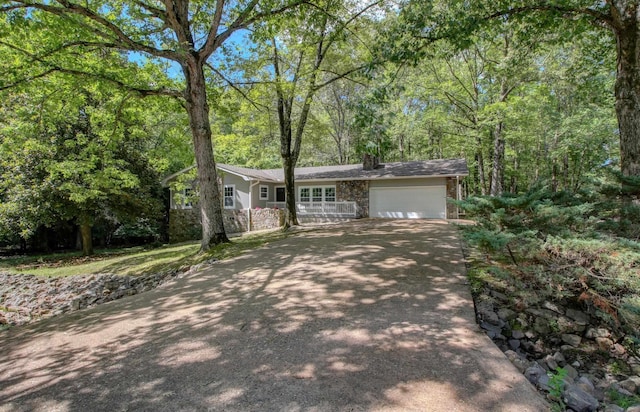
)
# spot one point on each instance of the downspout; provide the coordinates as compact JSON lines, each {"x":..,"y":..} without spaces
{"x":251,"y":186}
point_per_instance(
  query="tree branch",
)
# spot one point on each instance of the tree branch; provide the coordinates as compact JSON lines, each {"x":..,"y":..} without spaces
{"x":56,"y":68}
{"x":68,"y":8}
{"x":339,"y":76}
{"x":255,"y":104}
{"x":601,"y":17}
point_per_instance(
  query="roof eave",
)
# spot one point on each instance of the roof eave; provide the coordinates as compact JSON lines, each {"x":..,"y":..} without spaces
{"x":382,"y":177}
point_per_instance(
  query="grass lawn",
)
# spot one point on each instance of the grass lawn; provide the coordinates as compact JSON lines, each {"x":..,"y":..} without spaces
{"x":133,"y":261}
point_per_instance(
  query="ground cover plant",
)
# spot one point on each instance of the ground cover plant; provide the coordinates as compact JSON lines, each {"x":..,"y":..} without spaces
{"x":131,"y":261}
{"x":556,"y":282}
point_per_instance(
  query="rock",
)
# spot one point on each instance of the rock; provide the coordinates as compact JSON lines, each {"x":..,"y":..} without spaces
{"x":559,"y":357}
{"x":571,"y":372}
{"x":541,"y":326}
{"x":593,"y":333}
{"x":580,"y":317}
{"x":506,"y":314}
{"x":516,"y":360}
{"x":573,"y":340}
{"x":499,"y":296}
{"x":634,"y":408}
{"x":529,"y":334}
{"x":636,"y":380}
{"x":543,"y":383}
{"x":514,"y":344}
{"x":517,"y":334}
{"x":33,"y":297}
{"x":613,"y":408}
{"x":585,"y":384}
{"x":617,"y":350}
{"x":604,"y":344}
{"x":551,"y":362}
{"x":579,"y":400}
{"x":566,"y":325}
{"x":491,"y":329}
{"x":511,"y":355}
{"x":553,"y":307}
{"x":534,"y":372}
{"x":629,"y":385}
{"x":542,"y":313}
{"x":487,"y":315}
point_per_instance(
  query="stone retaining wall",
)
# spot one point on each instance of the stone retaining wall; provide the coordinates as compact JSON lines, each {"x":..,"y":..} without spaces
{"x":262,"y":219}
{"x":184,"y":224}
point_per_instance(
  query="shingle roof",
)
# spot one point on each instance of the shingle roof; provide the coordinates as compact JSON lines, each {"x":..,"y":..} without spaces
{"x":258,"y":174}
{"x":425,"y":168}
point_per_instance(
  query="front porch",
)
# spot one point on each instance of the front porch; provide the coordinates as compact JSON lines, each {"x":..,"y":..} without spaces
{"x":320,"y":209}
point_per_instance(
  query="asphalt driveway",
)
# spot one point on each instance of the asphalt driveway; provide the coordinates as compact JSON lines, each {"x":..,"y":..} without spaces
{"x":368,"y":315}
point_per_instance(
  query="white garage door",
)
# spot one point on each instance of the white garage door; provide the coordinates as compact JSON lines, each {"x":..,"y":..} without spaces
{"x":410,"y":202}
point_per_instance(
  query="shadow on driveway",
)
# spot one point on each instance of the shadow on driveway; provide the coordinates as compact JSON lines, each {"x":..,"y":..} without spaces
{"x":367,"y":315}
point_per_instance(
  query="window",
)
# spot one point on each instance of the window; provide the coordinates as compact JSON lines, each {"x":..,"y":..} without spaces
{"x":229,"y":197}
{"x":183,"y":199}
{"x":317,"y":194}
{"x":329,"y":194}
{"x":188,"y":198}
{"x":304,"y":194}
{"x":264,"y":192}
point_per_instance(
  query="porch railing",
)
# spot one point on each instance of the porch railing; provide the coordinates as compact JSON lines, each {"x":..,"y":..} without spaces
{"x":346,"y":209}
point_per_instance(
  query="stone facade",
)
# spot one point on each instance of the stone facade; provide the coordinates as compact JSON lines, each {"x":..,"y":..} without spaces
{"x":262,"y":219}
{"x":452,"y":193}
{"x":184,"y":224}
{"x":354,"y":191}
{"x":235,"y":221}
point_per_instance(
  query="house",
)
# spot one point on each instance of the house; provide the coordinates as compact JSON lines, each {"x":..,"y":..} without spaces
{"x":253,"y":198}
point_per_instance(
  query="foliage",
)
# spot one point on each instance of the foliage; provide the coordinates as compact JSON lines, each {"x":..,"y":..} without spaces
{"x":133,"y":261}
{"x":555,"y":243}
{"x":623,"y":401}
{"x":556,"y":388}
{"x":71,"y":154}
{"x":622,"y":206}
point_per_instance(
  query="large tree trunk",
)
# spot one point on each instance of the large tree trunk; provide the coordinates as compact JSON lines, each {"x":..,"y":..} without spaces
{"x":497,"y":169}
{"x":627,"y":89}
{"x":197,"y":106}
{"x":85,"y":233}
{"x":481,"y":176}
{"x":290,"y":215}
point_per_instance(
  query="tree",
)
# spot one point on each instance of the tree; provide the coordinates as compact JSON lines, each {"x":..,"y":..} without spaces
{"x":69,"y":151}
{"x":299,"y":57}
{"x":428,"y":22}
{"x":180,"y":32}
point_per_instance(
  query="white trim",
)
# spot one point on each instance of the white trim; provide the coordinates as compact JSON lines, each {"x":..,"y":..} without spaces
{"x":165,"y":182}
{"x":244,"y":177}
{"x":260,"y":192}
{"x":233,"y":198}
{"x":312,"y":199}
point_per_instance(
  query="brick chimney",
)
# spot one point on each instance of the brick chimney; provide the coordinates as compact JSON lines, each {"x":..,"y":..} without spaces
{"x":369,"y":162}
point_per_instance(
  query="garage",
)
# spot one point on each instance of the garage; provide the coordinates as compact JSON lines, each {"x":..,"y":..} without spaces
{"x":408,"y":202}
